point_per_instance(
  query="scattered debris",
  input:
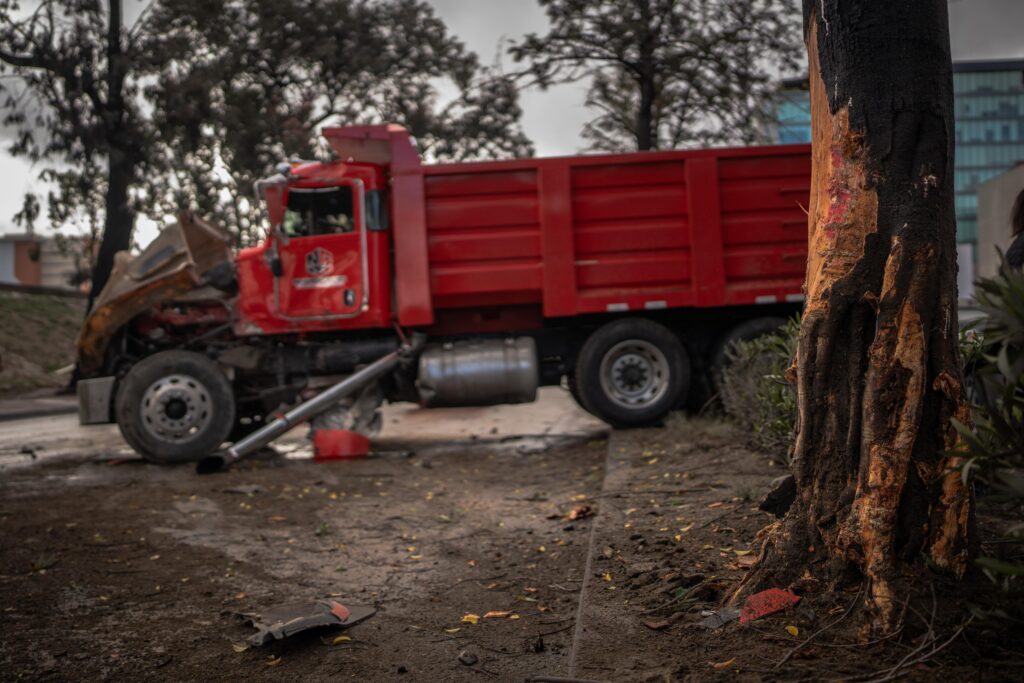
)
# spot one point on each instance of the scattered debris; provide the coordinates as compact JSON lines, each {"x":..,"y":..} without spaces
{"x":249,"y":490}
{"x":581,"y":512}
{"x":470,"y":618}
{"x":282,"y":622}
{"x":723,"y":665}
{"x":720,"y":618}
{"x":468,"y":658}
{"x":781,"y":496}
{"x":497,"y":614}
{"x":767,"y":602}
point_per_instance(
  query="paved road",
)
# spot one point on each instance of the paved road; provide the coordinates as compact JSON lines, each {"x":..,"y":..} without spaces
{"x":553,"y":416}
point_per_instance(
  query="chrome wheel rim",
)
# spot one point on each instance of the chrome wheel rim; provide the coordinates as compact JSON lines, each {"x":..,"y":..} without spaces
{"x":634,"y":374}
{"x":176,"y":408}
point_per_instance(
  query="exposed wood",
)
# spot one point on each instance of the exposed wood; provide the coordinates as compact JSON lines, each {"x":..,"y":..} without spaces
{"x":878,"y":364}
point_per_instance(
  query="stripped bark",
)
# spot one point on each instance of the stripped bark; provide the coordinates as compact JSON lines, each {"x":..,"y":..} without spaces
{"x":878,"y":363}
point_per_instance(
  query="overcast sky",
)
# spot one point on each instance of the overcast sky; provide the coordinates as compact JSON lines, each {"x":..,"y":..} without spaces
{"x":980,"y":29}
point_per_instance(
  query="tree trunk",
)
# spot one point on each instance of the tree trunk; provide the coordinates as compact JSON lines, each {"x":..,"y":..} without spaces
{"x":119,"y":218}
{"x":878,"y":364}
{"x":646,"y":137}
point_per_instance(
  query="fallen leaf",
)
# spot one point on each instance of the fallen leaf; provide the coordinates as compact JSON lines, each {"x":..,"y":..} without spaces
{"x":722,"y":665}
{"x":341,"y":639}
{"x":741,"y":553}
{"x":239,"y":647}
{"x":452,"y":630}
{"x":792,"y":630}
{"x":746,"y":561}
{"x":531,"y":589}
{"x":241,"y":596}
{"x":470,"y":618}
{"x":541,"y":549}
{"x":513,"y":616}
{"x":278,"y":518}
{"x":716,"y":504}
{"x":496,"y":614}
{"x":273,"y":661}
{"x":606,"y":576}
{"x":471,"y":563}
{"x":652,"y":461}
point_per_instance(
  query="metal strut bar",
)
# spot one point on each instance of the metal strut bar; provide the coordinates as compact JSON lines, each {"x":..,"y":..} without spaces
{"x":304,"y":411}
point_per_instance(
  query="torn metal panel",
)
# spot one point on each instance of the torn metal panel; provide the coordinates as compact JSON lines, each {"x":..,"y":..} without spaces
{"x":171,"y":266}
{"x":281,"y":622}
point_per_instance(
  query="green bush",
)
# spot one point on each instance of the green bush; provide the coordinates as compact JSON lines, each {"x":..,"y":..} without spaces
{"x":996,"y":386}
{"x":755,"y":393}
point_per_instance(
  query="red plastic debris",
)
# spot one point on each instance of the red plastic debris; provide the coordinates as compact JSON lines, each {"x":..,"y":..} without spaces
{"x":339,"y":444}
{"x":767,"y":602}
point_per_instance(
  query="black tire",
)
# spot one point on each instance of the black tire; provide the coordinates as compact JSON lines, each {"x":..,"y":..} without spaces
{"x":745,"y":331}
{"x":574,"y":390}
{"x":175,"y":406}
{"x":632,"y":372}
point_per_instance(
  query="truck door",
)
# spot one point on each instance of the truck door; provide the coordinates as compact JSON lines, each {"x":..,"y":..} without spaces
{"x":323,"y":254}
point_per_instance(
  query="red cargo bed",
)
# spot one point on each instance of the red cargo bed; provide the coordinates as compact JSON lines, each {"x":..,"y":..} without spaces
{"x":620,"y":232}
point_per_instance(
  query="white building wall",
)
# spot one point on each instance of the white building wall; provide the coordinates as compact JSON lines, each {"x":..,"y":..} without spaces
{"x":995,"y":203}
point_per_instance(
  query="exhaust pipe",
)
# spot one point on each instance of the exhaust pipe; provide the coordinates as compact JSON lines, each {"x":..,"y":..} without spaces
{"x":219,"y":462}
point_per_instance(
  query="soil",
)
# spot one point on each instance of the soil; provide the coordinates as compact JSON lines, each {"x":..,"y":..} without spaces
{"x":113,"y":569}
{"x":37,"y":337}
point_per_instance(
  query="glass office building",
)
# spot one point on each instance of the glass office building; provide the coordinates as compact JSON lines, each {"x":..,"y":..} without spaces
{"x":989,"y":107}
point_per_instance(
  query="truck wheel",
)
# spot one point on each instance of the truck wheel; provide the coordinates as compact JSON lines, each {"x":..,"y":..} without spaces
{"x":175,"y":406}
{"x":632,"y":372}
{"x":751,"y":329}
{"x":573,"y":387}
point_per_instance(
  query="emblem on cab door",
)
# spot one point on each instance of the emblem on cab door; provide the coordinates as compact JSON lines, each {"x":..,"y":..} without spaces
{"x":319,"y":261}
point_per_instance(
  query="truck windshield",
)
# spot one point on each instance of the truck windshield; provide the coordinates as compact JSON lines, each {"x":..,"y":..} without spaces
{"x":318,"y":211}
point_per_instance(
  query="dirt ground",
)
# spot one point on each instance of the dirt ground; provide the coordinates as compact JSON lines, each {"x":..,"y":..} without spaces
{"x":113,"y":569}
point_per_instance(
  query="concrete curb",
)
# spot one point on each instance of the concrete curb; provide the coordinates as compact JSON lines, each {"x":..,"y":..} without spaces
{"x":11,"y":410}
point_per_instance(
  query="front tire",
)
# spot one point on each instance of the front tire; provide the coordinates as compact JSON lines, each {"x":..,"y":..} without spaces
{"x":175,"y":406}
{"x":632,"y":372}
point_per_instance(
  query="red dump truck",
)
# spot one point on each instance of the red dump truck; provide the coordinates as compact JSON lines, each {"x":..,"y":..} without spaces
{"x":620,"y":276}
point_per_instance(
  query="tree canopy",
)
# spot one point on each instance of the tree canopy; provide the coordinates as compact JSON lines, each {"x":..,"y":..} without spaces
{"x":242,"y":85}
{"x":199,"y":98}
{"x":666,"y":73}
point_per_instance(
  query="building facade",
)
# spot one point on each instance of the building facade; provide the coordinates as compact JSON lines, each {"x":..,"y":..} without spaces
{"x":33,"y":261}
{"x":989,"y":108}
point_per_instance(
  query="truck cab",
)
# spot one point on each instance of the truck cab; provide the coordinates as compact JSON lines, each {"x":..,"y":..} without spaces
{"x":325,"y":264}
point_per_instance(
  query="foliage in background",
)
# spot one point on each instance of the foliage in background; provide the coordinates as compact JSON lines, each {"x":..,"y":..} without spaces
{"x":242,"y":85}
{"x":69,"y":91}
{"x":756,"y":394}
{"x":996,"y":443}
{"x":667,"y":73}
{"x":197,"y":99}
